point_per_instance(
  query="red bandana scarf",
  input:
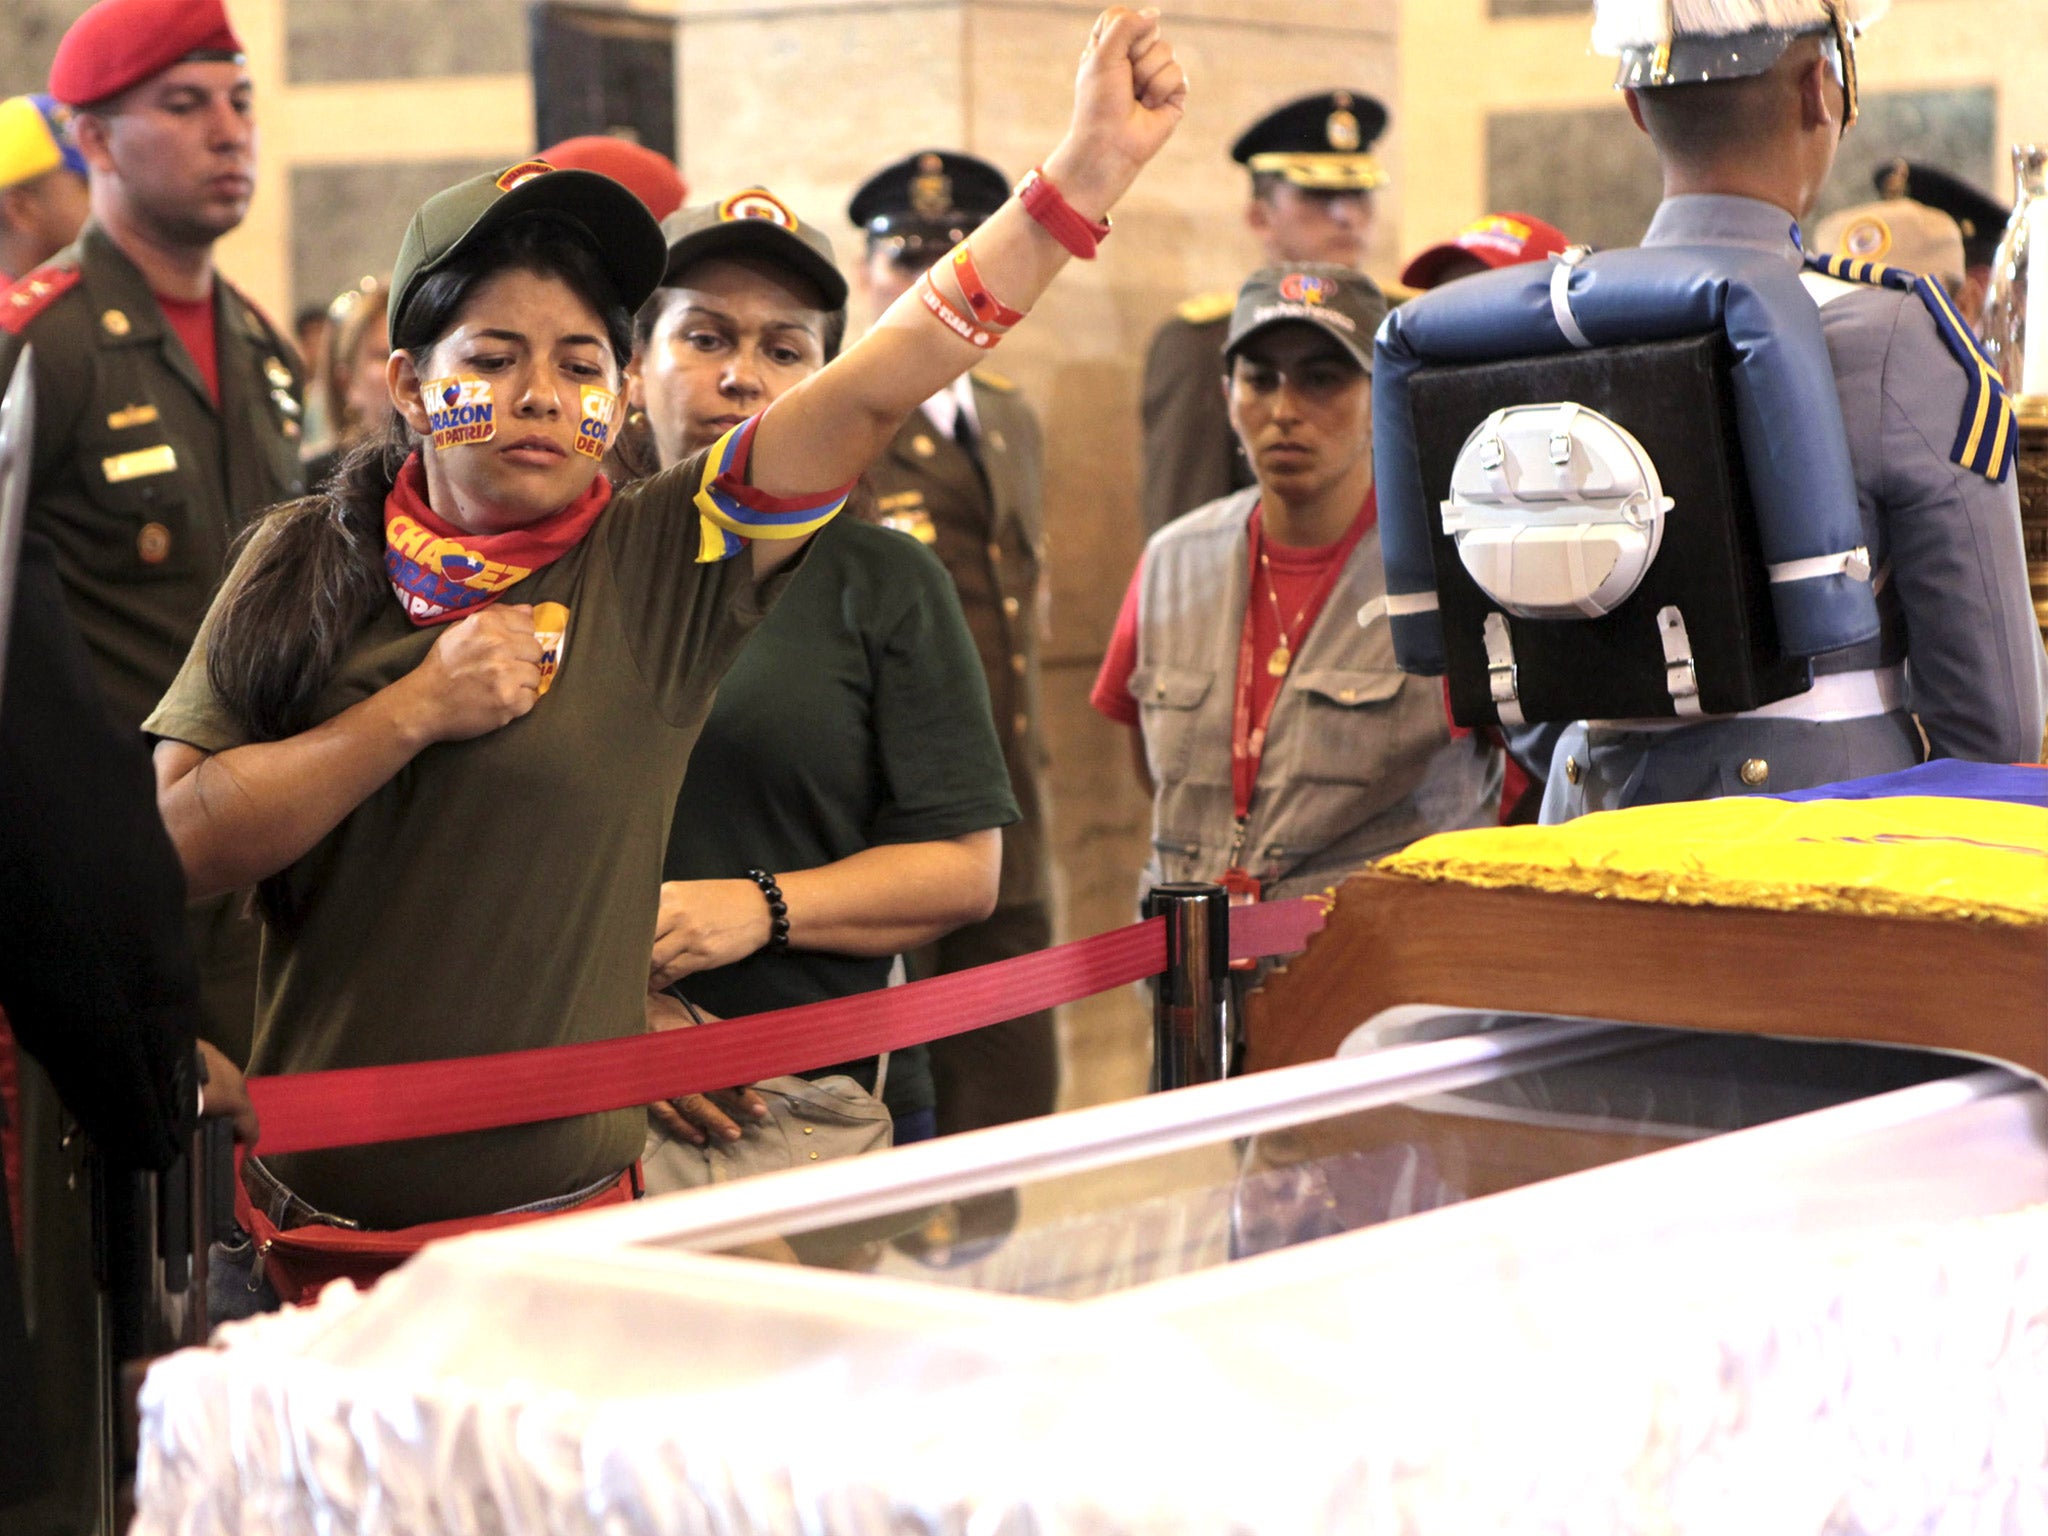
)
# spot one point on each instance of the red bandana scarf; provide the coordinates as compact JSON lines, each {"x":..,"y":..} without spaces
{"x":441,"y":572}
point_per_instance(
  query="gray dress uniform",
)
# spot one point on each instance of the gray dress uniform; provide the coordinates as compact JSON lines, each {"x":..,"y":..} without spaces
{"x":979,"y":504}
{"x":1958,"y":647}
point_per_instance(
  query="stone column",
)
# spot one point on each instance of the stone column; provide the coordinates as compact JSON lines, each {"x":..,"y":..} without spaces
{"x":809,"y":96}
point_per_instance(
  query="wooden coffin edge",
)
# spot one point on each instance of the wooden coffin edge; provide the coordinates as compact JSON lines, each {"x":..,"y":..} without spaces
{"x":1945,"y":984}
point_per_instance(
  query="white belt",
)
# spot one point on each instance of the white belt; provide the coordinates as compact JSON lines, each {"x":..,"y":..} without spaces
{"x":1833,"y":696}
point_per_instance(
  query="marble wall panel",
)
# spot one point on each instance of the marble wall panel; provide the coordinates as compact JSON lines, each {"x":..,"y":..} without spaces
{"x":1592,"y":173}
{"x":1588,"y":170}
{"x":29,"y":33}
{"x":329,"y":40}
{"x":346,"y":220}
{"x":1954,"y":129}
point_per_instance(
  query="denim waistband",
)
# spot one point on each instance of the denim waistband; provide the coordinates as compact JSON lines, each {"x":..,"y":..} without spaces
{"x":286,"y":1209}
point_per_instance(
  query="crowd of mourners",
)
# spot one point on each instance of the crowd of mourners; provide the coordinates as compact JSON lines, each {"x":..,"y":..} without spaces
{"x":576,"y":630}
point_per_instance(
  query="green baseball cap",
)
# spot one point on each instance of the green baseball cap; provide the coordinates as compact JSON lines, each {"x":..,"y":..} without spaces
{"x":1346,"y":303}
{"x":753,"y":223}
{"x":622,"y":233}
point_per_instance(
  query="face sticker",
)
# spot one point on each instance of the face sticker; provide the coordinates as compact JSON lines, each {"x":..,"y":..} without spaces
{"x":594,"y":433}
{"x":459,"y":411}
{"x":551,"y":629}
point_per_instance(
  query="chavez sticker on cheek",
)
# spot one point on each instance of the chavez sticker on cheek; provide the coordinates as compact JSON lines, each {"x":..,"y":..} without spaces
{"x":594,"y":433}
{"x":459,"y":411}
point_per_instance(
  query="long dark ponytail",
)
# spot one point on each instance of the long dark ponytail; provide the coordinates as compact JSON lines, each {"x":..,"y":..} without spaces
{"x":310,"y":574}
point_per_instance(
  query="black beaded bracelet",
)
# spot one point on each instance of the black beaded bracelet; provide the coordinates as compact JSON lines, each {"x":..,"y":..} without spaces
{"x":778,"y":909}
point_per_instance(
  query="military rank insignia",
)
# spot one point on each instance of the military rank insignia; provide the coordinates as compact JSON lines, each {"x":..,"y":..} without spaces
{"x":1987,"y":438}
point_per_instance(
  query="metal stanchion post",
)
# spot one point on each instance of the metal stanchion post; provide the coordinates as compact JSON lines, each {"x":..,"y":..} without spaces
{"x":1191,"y":1014}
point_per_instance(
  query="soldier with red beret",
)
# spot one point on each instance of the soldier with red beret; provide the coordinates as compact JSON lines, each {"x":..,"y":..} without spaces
{"x":167,"y":412}
{"x":646,"y":173}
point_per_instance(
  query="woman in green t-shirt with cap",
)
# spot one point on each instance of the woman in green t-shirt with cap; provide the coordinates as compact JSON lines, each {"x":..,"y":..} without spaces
{"x":450,"y":863}
{"x":850,"y":765}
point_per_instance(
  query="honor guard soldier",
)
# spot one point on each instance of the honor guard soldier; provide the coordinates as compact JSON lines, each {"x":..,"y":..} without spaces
{"x":1745,"y":113}
{"x":1312,"y":179}
{"x":965,"y":475}
{"x":42,"y":183}
{"x":167,"y":407}
{"x":1981,"y":218}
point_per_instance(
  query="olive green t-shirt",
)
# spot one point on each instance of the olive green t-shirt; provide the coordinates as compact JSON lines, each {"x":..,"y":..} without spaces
{"x":869,"y":655}
{"x":499,"y":893}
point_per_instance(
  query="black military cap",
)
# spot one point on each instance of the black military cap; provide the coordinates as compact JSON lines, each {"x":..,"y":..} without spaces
{"x":1982,"y":217}
{"x":1322,"y":142}
{"x":927,"y":203}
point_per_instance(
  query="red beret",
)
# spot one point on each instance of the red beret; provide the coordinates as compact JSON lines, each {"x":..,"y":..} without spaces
{"x":119,"y":43}
{"x":649,"y":176}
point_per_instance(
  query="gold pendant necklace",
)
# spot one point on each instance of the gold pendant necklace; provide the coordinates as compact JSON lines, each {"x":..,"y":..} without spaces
{"x":1282,"y":656}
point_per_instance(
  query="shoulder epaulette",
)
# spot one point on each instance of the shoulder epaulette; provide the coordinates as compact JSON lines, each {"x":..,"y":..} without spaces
{"x":31,"y":295}
{"x":1207,"y":308}
{"x":1987,"y":439}
{"x":995,"y":381}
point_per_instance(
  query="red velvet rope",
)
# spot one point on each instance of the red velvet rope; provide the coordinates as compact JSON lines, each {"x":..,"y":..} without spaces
{"x":309,"y":1111}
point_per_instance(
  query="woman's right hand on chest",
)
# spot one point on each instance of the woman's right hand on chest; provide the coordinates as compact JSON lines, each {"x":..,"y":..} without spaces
{"x":483,"y":673}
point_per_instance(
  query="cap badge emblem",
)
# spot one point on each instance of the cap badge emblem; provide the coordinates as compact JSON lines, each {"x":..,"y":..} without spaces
{"x":522,"y":173}
{"x":756,"y":204}
{"x":1304,"y":288}
{"x":1342,"y":131}
{"x":1867,"y":239}
{"x":931,"y":189}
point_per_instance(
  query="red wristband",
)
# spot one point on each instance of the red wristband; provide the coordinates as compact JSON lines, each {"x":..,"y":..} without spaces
{"x":1058,"y":217}
{"x":963,"y":326}
{"x":988,"y":309}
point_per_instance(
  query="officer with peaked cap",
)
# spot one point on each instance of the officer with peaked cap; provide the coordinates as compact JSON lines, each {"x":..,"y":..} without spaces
{"x":1312,"y":178}
{"x":42,"y":183}
{"x":1745,"y":105}
{"x":1981,"y":217}
{"x":966,"y":475}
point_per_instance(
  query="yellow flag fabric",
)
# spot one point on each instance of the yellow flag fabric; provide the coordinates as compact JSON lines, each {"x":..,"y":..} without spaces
{"x":1908,"y":856}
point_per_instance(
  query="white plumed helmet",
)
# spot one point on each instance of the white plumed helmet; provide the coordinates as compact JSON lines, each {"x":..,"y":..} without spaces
{"x":1679,"y":42}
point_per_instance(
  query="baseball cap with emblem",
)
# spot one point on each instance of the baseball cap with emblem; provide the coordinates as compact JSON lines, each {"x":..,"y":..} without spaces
{"x":35,"y":138}
{"x":621,"y":231}
{"x":928,"y":202}
{"x":119,"y":43}
{"x":1896,"y":233}
{"x":1321,"y":142}
{"x":1495,"y":240}
{"x":1981,"y":217}
{"x":753,"y":223}
{"x":648,"y":174}
{"x":1346,"y":304}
